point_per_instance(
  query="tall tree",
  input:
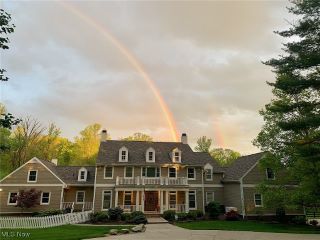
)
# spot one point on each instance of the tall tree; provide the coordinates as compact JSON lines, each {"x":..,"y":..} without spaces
{"x":222,"y":156}
{"x":138,"y":137}
{"x":291,"y":133}
{"x":87,"y":145}
{"x":203,"y":144}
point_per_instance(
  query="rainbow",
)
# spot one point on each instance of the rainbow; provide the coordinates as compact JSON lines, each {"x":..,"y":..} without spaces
{"x":133,"y":61}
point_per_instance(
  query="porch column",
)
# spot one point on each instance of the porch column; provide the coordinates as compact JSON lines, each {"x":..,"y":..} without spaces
{"x":167,"y":200}
{"x":116,"y":199}
{"x":161,"y":201}
{"x":187,"y":200}
{"x":142,"y":201}
{"x":137,"y":201}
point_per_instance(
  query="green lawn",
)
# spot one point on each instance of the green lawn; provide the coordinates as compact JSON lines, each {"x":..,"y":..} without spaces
{"x":248,"y":226}
{"x":70,"y":232}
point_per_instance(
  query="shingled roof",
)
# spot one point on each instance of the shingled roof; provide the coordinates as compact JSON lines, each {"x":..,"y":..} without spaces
{"x":109,"y":154}
{"x":69,"y":174}
{"x":241,"y":166}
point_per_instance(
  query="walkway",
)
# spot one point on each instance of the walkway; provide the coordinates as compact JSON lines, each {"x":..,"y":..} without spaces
{"x":170,"y":232}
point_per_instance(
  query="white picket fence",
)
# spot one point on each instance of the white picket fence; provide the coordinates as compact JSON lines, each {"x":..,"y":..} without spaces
{"x":44,"y":222}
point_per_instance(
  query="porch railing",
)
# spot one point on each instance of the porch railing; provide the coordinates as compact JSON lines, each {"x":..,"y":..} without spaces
{"x":86,"y":206}
{"x":151,"y":181}
{"x":130,"y":208}
{"x":68,"y":205}
{"x":177,"y":207}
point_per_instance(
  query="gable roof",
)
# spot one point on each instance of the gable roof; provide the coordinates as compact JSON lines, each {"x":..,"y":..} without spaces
{"x":241,"y":166}
{"x":109,"y":153}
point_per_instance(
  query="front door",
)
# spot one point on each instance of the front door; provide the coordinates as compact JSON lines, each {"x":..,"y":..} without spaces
{"x":151,"y":201}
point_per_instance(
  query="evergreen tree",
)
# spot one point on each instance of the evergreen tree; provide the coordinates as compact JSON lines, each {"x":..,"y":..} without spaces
{"x":291,"y":133}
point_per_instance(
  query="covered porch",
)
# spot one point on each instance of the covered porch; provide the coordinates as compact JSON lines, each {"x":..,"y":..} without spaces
{"x":151,"y":200}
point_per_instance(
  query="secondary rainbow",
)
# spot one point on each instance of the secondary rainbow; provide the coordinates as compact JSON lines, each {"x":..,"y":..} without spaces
{"x":133,"y":61}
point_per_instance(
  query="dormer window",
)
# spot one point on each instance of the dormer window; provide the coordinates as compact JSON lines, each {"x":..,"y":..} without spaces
{"x":208,"y":172}
{"x":82,"y":175}
{"x":176,"y":155}
{"x":123,"y":154}
{"x":150,"y":155}
{"x":270,"y":174}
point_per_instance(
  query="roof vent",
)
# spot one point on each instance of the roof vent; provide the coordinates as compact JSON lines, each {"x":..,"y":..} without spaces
{"x":55,"y":161}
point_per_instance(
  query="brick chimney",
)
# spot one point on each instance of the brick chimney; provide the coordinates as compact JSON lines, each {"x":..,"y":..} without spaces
{"x":184,"y":138}
{"x":104,"y":135}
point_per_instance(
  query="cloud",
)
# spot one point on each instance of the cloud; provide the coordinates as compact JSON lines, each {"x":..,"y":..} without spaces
{"x":204,"y":57}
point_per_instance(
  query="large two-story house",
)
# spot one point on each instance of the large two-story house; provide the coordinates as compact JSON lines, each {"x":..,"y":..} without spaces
{"x":147,"y":176}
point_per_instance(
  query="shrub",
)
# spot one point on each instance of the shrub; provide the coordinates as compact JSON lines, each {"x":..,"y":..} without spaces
{"x":281,"y":214}
{"x":182,"y":216}
{"x":213,"y":208}
{"x":232,"y":216}
{"x":314,"y":222}
{"x":192,"y":215}
{"x":169,"y":215}
{"x":198,"y":213}
{"x":115,"y":213}
{"x":47,"y":213}
{"x":126,"y":217}
{"x":138,"y":219}
{"x":299,"y":220}
{"x":99,"y":217}
{"x":136,"y":213}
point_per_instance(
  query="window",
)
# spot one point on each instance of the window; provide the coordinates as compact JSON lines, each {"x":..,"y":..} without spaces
{"x":192,"y":200}
{"x":123,"y":154}
{"x":32,"y":176}
{"x":127,"y":198}
{"x":150,"y":155}
{"x":45,"y":198}
{"x":176,"y":155}
{"x":12,"y":200}
{"x":108,"y":172}
{"x":106,"y":200}
{"x":80,"y":197}
{"x":270,"y":174}
{"x":209,"y":197}
{"x":191,"y":173}
{"x":172,"y":172}
{"x":258,"y":200}
{"x":172,"y":200}
{"x":128,"y":172}
{"x":208,"y":173}
{"x":150,"y":172}
{"x":82,"y":174}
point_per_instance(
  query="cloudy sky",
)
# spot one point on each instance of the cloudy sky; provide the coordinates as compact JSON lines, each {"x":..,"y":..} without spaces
{"x":204,"y":59}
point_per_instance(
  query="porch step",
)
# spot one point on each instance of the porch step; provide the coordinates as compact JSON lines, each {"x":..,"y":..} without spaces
{"x":153,"y":220}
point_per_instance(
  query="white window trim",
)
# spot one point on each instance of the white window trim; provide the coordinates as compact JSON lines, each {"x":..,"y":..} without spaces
{"x":29,"y":176}
{"x":8,"y":201}
{"x":104,"y":209}
{"x":124,"y":172}
{"x":254,"y":198}
{"x":41,"y":203}
{"x":85,"y":174}
{"x":120,"y":154}
{"x":84,"y":197}
{"x":173,"y":155}
{"x":169,"y":173}
{"x":153,"y":155}
{"x":207,"y":196}
{"x":274,"y":175}
{"x":124,"y":196}
{"x":104,"y":172}
{"x":151,"y":167}
{"x":211,"y":175}
{"x":194,"y":169}
{"x":176,"y":194}
{"x":195,"y":199}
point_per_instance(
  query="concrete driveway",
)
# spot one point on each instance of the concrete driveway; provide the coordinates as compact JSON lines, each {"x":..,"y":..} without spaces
{"x":170,"y":232}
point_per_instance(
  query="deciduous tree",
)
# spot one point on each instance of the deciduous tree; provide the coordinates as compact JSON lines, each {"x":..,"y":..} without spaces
{"x":138,"y":137}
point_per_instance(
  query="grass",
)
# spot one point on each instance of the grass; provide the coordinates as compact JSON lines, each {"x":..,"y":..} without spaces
{"x":252,"y":226}
{"x":70,"y":232}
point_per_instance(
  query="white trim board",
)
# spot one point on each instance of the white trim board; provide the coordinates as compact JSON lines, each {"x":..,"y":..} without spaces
{"x":30,"y":185}
{"x":206,"y":185}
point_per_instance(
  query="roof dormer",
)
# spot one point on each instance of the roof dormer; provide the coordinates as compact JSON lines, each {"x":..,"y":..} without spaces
{"x":176,"y":155}
{"x":150,"y":155}
{"x":82,"y":174}
{"x":123,"y":154}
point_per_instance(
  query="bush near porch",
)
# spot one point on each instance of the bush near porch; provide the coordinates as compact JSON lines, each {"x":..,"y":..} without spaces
{"x":171,"y":215}
{"x":116,"y":215}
